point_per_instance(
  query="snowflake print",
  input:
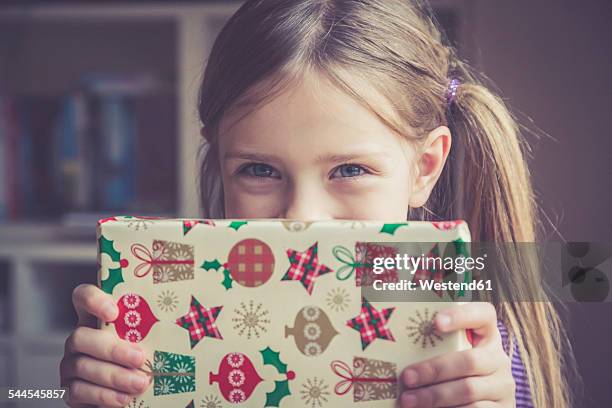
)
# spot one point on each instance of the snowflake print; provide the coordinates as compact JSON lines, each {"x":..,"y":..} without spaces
{"x":383,"y":372}
{"x":164,"y":386}
{"x":314,"y":392}
{"x":164,"y":275}
{"x":183,"y":368}
{"x":182,"y":253}
{"x":136,"y":404}
{"x":338,"y":299}
{"x":167,"y":301}
{"x":173,"y":246}
{"x":138,"y":224}
{"x":251,"y":320}
{"x":312,"y":349}
{"x":311,"y":313}
{"x":422,"y":329}
{"x":236,"y":377}
{"x":132,"y":318}
{"x":131,"y":300}
{"x":235,"y":360}
{"x":160,"y":251}
{"x":236,"y":396}
{"x":365,"y":392}
{"x":211,"y":401}
{"x":185,"y":388}
{"x":160,"y":364}
{"x":312,"y":331}
{"x":133,"y":336}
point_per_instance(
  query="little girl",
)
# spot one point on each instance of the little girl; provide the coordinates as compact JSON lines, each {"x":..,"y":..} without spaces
{"x":345,"y":109}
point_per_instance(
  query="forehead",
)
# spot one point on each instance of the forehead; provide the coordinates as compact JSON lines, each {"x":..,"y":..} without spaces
{"x":308,"y":110}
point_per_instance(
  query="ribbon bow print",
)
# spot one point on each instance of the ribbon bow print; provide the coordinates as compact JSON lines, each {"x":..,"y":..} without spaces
{"x":345,"y":256}
{"x":143,"y":254}
{"x":349,"y":378}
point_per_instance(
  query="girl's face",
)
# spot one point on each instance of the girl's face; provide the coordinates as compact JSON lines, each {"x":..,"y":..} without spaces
{"x":314,"y":153}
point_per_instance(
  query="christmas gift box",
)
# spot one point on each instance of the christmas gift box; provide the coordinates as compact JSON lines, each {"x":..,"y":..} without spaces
{"x":275,"y":313}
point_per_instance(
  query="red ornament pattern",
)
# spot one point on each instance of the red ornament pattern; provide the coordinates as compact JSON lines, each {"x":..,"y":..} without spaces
{"x":237,"y":377}
{"x":251,"y":262}
{"x":135,"y":318}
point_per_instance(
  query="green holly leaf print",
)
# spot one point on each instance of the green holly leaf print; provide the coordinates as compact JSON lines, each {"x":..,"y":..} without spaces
{"x":115,"y":277}
{"x":208,"y":265}
{"x":391,"y":228}
{"x":237,"y":224}
{"x":227,"y":279}
{"x":271,"y":357}
{"x":107,"y":247}
{"x":281,"y":390}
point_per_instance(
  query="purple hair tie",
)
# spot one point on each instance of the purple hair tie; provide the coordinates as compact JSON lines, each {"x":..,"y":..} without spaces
{"x":451,"y":91}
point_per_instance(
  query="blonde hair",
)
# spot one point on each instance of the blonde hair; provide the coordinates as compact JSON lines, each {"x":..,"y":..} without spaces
{"x":397,"y":47}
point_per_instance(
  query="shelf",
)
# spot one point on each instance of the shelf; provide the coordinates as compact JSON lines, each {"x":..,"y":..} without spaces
{"x":50,"y":252}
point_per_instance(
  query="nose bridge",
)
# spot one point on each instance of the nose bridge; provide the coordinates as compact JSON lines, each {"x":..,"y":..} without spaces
{"x":306,"y":201}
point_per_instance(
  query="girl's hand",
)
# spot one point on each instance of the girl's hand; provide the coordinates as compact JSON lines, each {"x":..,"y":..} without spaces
{"x":478,"y":377}
{"x":98,"y":368}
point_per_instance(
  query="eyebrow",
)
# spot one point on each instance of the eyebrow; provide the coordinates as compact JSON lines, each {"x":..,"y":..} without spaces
{"x":328,"y":158}
{"x":263,"y":157}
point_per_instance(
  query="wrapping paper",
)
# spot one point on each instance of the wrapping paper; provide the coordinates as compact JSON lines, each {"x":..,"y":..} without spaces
{"x":270,"y":313}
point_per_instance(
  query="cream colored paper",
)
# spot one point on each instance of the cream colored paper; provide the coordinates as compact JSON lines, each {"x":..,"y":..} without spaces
{"x":277,"y":303}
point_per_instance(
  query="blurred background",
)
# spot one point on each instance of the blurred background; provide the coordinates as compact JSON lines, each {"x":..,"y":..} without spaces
{"x":98,"y":117}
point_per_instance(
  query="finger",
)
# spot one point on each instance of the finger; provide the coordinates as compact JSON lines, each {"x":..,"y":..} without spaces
{"x":91,"y":302}
{"x":104,"y":346}
{"x":129,"y":381}
{"x":82,"y":392}
{"x":464,"y":391}
{"x":451,"y":366}
{"x":478,"y":316}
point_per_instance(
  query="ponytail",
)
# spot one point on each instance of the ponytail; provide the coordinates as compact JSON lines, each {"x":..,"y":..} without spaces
{"x":495,"y":196}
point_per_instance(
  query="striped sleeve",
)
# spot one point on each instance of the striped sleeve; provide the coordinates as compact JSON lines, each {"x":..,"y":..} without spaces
{"x":523,"y":392}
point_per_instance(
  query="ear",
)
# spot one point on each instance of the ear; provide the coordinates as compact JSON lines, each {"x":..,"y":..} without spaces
{"x":433,"y":153}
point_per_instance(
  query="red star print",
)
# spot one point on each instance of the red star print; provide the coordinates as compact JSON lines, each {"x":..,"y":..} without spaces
{"x":371,"y":324}
{"x":305,"y":267}
{"x":200,"y":322}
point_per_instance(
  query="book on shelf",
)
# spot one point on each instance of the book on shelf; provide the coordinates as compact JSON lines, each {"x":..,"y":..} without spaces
{"x":78,"y":153}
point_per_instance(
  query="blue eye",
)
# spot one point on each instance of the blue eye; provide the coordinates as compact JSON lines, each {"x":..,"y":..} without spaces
{"x":349,"y":170}
{"x":259,"y":170}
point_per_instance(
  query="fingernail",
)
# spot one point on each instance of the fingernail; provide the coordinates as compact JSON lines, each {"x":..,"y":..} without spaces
{"x":409,"y":400}
{"x":138,"y":382}
{"x":135,"y":357}
{"x":411,"y":377}
{"x":444,"y":320}
{"x":109,"y":310}
{"x":122,"y":398}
